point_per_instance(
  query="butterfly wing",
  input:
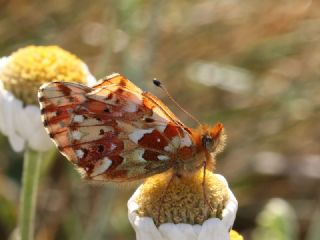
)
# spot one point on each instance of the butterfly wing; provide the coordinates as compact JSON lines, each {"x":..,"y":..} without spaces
{"x":151,"y":101}
{"x":113,"y":131}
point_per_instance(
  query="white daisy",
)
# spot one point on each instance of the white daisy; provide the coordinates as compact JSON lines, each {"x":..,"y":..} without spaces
{"x":217,"y":228}
{"x":21,"y":74}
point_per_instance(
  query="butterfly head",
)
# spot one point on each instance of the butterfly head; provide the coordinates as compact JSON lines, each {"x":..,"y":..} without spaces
{"x":213,"y":138}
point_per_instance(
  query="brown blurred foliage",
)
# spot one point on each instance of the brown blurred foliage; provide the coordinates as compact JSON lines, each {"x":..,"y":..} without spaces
{"x":253,"y":65}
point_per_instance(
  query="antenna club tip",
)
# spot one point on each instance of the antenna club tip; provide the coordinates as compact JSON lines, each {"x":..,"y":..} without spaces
{"x":156,"y":82}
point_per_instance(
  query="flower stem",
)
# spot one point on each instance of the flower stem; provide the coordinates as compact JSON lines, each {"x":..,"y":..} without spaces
{"x":30,"y":180}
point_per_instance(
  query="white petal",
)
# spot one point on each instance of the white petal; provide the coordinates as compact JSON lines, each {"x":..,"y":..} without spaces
{"x":177,"y":231}
{"x":30,"y":127}
{"x":3,"y":96}
{"x":23,"y":122}
{"x":133,"y":206}
{"x":213,"y":229}
{"x":11,"y":106}
{"x":145,"y":229}
{"x":197,"y":229}
{"x":34,"y":115}
{"x":6,"y":111}
{"x":40,"y":140}
{"x":91,"y":80}
{"x":230,"y":211}
{"x":17,"y":143}
{"x":2,"y":102}
{"x":3,"y":62}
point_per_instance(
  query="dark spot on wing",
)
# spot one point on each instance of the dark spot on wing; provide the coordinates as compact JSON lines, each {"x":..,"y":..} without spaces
{"x":150,"y":155}
{"x":123,"y":82}
{"x":149,"y":120}
{"x":100,"y":148}
{"x":58,"y":112}
{"x":120,"y":90}
{"x":66,"y":90}
{"x":110,"y":95}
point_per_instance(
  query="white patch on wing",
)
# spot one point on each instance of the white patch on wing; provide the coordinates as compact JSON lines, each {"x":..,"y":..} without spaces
{"x":112,"y":75}
{"x":159,"y":117}
{"x":76,"y":135}
{"x":136,"y":99}
{"x":90,"y":121}
{"x":161,"y":128}
{"x":100,"y":94}
{"x":185,"y":141}
{"x":137,"y":134}
{"x":125,"y":127}
{"x":130,"y":107}
{"x":101,"y":166}
{"x":137,"y":155}
{"x":79,"y":153}
{"x":133,"y":102}
{"x":176,"y":141}
{"x":92,"y":133}
{"x":78,"y":118}
{"x":169,"y":148}
{"x":163,"y":157}
{"x":134,"y":156}
{"x":112,"y":147}
{"x":51,"y":114}
{"x":173,"y":145}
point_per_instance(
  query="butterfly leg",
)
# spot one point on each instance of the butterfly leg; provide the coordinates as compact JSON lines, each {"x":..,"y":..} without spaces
{"x":163,"y":196}
{"x":205,"y":198}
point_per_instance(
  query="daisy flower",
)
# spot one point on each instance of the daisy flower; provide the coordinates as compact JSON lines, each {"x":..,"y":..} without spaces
{"x":21,"y":74}
{"x":159,"y":211}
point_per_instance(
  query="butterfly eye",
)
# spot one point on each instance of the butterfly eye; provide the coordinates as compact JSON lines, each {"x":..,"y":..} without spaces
{"x":207,"y":142}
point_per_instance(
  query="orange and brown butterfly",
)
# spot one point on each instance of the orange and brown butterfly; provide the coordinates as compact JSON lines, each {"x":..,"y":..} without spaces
{"x":114,"y":131}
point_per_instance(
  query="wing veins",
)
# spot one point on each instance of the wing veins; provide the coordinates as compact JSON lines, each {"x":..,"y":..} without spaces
{"x":66,"y":96}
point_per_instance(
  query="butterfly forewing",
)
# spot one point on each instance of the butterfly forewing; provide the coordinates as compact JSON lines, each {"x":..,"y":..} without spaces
{"x":113,"y":131}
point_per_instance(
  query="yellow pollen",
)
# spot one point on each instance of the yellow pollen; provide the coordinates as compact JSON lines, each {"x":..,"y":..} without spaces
{"x":182,"y":201}
{"x":28,"y":68}
{"x":235,"y":235}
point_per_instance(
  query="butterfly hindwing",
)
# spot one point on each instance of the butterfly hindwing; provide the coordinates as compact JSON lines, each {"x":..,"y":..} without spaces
{"x":112,"y":131}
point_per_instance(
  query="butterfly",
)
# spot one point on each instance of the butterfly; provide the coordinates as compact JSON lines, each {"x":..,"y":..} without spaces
{"x":114,"y":131}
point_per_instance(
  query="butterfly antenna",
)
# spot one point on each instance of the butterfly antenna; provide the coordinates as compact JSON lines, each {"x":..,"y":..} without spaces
{"x":157,"y":83}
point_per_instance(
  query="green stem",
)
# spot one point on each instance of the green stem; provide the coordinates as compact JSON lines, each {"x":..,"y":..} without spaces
{"x":30,"y":180}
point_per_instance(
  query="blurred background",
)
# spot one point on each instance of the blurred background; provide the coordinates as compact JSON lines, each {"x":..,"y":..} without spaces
{"x":253,"y":65}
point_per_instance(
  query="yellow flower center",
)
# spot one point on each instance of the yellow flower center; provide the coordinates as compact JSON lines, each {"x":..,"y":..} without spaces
{"x":235,"y":235}
{"x":28,"y":68}
{"x":182,"y":200}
